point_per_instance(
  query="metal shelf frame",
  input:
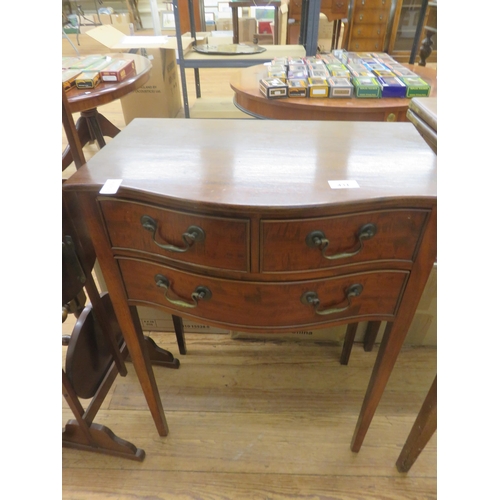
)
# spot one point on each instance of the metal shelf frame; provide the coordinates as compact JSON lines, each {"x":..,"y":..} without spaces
{"x":308,"y":39}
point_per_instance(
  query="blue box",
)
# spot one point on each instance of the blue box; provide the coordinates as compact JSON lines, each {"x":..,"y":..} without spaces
{"x":392,"y":86}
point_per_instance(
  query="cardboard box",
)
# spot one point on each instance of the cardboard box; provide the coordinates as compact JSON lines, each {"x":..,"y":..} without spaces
{"x":123,"y":18}
{"x":224,"y":24}
{"x":103,"y":18}
{"x":246,"y":29}
{"x":160,"y":97}
{"x":159,"y":321}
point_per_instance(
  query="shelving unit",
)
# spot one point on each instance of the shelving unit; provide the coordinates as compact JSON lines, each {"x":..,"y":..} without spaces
{"x":194,"y":60}
{"x":406,"y":17}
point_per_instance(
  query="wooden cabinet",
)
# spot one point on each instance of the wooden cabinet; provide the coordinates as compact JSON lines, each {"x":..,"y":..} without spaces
{"x":368,"y":25}
{"x":227,"y":224}
{"x":334,"y":10}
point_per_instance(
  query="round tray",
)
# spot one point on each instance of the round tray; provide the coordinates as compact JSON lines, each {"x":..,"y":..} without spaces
{"x":229,"y":49}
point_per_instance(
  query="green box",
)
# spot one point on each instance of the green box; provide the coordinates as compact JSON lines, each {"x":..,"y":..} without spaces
{"x":415,"y":86}
{"x":366,"y":87}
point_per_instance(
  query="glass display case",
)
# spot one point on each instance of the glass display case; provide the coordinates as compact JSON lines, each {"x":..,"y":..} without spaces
{"x":404,"y":26}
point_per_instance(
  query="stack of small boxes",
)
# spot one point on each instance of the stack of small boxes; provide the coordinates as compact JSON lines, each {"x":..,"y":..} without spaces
{"x":88,"y":72}
{"x":342,"y":74}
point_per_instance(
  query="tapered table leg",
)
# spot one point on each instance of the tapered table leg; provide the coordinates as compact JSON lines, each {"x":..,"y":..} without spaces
{"x":424,"y":427}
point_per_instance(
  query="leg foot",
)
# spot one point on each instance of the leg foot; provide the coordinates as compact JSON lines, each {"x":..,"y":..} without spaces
{"x":103,"y":441}
{"x":159,"y":356}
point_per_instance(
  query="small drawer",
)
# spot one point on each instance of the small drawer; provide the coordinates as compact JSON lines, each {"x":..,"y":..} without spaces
{"x":336,"y":7}
{"x":373,"y":4}
{"x":370,"y":16}
{"x":308,"y":244}
{"x":215,"y":242}
{"x":367,"y":44}
{"x":233,"y":304}
{"x":368,"y":31}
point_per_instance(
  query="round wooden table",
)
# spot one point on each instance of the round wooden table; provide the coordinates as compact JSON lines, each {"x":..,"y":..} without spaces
{"x":91,"y":125}
{"x":248,"y":99}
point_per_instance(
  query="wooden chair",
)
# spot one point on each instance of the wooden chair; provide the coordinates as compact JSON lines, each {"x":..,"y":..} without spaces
{"x":96,"y":351}
{"x":157,"y":355}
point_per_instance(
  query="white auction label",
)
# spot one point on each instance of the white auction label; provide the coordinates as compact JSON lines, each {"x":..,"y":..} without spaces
{"x":344,"y":184}
{"x":110,"y":186}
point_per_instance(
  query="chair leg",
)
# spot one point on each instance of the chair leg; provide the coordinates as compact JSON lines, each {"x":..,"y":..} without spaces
{"x":179,"y":333}
{"x":371,"y":335}
{"x":348,"y":343}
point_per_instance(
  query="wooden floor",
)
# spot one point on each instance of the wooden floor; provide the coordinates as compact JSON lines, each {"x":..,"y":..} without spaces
{"x":256,"y":420}
{"x":260,"y":420}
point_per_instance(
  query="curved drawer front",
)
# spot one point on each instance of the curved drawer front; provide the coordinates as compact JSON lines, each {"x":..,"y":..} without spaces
{"x":233,"y":303}
{"x":293,"y":245}
{"x":216,"y":242}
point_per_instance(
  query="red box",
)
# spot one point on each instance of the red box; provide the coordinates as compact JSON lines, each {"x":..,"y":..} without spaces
{"x":118,"y":70}
{"x":265,"y":27}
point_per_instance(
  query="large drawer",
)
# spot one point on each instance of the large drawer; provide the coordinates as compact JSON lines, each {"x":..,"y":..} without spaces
{"x":248,"y":304}
{"x":376,"y":31}
{"x":222,"y":243}
{"x":308,"y":244}
{"x":367,"y":44}
{"x":369,"y":16}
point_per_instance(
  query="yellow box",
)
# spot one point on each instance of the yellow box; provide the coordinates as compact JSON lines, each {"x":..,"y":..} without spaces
{"x":88,"y":80}
{"x":318,"y":87}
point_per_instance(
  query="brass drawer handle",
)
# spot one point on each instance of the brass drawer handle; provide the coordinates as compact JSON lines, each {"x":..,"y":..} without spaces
{"x":318,"y":239}
{"x":311,"y":298}
{"x":192,"y":235}
{"x":200,"y":293}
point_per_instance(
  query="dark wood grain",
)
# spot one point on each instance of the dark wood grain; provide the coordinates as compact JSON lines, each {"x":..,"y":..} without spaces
{"x":227,"y":170}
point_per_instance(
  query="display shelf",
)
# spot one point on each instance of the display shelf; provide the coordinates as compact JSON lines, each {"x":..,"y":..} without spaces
{"x":191,"y":59}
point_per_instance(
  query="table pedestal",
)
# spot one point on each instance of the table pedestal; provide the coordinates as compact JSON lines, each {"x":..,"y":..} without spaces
{"x":91,"y":126}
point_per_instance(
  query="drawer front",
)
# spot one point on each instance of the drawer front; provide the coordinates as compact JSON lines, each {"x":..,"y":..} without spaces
{"x":233,"y":304}
{"x":384,"y":5}
{"x":365,"y":16}
{"x":293,"y":245}
{"x":367,"y":44}
{"x":215,"y":242}
{"x":338,"y":8}
{"x":376,"y":31}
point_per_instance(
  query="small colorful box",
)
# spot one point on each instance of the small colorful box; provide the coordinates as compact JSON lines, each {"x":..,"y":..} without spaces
{"x":295,"y":60}
{"x":273,"y":88}
{"x":88,"y":80}
{"x":67,"y":62}
{"x":416,"y":87}
{"x":392,"y":86}
{"x":385,"y":73}
{"x":297,"y":71}
{"x":318,"y":87}
{"x":297,"y":88}
{"x":367,"y":87}
{"x":402,"y":71}
{"x":340,"y":73}
{"x":82,"y":64}
{"x":319,"y":73}
{"x":118,"y":70}
{"x":340,"y":87}
{"x":69,"y":78}
{"x":276,"y":72}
